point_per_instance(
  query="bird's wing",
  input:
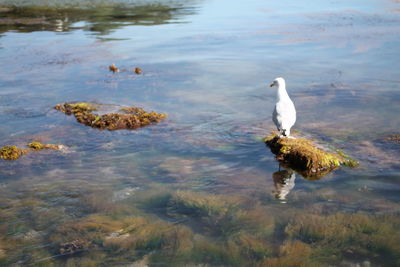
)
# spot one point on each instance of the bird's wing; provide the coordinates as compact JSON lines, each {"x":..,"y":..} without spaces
{"x":275,"y":119}
{"x":285,"y":114}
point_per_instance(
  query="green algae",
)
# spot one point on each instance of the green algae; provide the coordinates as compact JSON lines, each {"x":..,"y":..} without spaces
{"x":131,"y":118}
{"x":347,"y":235}
{"x":40,"y":146}
{"x":222,"y":215}
{"x":303,"y":156}
{"x":128,"y":238}
{"x":210,"y":229}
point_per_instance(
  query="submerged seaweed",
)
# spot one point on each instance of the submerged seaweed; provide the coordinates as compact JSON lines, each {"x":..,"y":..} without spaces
{"x":303,"y":156}
{"x":132,"y":118}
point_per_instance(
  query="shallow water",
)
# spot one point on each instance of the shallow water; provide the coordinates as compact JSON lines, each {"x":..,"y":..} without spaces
{"x":200,"y":187}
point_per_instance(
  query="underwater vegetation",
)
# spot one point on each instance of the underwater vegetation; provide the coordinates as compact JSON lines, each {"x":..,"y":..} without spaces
{"x":131,"y":118}
{"x":355,"y":235}
{"x":303,"y":156}
{"x":14,"y":153}
{"x":395,"y":138}
{"x":185,"y":228}
{"x":124,"y":238}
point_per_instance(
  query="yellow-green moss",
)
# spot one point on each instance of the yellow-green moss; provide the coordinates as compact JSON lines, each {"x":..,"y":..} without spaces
{"x":132,"y":118}
{"x":11,"y":152}
{"x":72,"y":108}
{"x":14,"y":153}
{"x":40,"y":146}
{"x":302,"y":155}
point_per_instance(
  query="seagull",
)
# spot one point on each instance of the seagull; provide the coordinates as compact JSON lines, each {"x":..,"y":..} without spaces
{"x":284,"y":115}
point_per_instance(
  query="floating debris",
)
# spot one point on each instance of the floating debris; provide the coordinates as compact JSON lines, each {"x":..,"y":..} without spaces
{"x":14,"y":153}
{"x":113,"y":68}
{"x":138,"y":70}
{"x":132,"y":118}
{"x":303,"y":156}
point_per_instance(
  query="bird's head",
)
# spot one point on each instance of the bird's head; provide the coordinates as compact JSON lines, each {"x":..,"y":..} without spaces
{"x":277,"y":82}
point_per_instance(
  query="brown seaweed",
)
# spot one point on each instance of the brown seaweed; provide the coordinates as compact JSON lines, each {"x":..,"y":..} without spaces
{"x":14,"y":153}
{"x":132,"y":118}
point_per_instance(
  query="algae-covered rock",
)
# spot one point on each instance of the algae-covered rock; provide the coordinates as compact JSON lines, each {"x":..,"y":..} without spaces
{"x":40,"y":146}
{"x":131,"y":118}
{"x":303,"y":156}
{"x":11,"y":152}
{"x":14,"y":153}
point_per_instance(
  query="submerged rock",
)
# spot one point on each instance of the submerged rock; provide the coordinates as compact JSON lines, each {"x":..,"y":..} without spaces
{"x":395,"y":138}
{"x":131,"y":118}
{"x":303,"y":156}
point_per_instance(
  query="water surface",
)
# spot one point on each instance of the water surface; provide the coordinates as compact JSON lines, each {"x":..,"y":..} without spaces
{"x":200,"y":187}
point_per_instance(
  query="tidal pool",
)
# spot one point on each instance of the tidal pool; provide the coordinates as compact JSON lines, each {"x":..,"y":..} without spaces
{"x":199,"y":188}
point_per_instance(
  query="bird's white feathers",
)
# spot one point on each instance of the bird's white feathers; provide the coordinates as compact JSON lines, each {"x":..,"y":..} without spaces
{"x":284,"y":114}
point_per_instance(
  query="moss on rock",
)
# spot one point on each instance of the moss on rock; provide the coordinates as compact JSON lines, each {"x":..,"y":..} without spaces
{"x":131,"y":118}
{"x":303,"y":156}
{"x":12,"y":152}
{"x":41,"y":146}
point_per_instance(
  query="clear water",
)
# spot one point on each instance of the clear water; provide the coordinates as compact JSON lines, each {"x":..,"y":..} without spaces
{"x":203,"y":181}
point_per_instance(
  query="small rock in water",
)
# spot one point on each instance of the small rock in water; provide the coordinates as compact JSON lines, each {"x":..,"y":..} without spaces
{"x":72,"y":247}
{"x":113,"y":68}
{"x":138,"y":70}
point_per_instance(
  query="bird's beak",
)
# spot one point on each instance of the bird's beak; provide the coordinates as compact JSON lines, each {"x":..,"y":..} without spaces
{"x":272,"y":84}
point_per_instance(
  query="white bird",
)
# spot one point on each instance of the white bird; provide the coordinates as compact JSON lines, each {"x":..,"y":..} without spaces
{"x":284,"y":115}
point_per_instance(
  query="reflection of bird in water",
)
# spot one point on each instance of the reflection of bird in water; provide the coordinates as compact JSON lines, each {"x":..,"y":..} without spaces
{"x":284,"y":115}
{"x":283,"y":182}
